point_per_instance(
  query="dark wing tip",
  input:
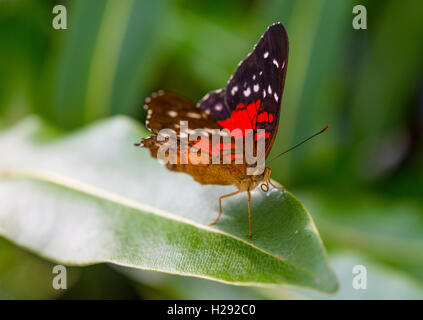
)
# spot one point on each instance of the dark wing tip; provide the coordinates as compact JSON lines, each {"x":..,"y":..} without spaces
{"x":277,"y":30}
{"x":277,"y":25}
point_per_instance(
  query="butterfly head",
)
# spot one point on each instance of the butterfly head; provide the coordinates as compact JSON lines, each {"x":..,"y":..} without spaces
{"x":255,"y":179}
{"x":263,"y":176}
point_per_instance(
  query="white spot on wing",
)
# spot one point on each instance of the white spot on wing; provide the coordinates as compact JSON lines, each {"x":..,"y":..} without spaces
{"x":269,"y":89}
{"x":254,"y":77}
{"x":234,"y":90}
{"x":218,"y":107}
{"x":256,"y":88}
{"x":276,"y":97}
{"x":275,"y":63}
{"x":266,"y":54}
{"x":171,"y":113}
{"x":247,"y":92}
{"x":193,"y":115}
{"x":264,"y":93}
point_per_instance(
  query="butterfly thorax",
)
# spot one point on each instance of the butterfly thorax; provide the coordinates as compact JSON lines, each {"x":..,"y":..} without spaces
{"x":250,"y":182}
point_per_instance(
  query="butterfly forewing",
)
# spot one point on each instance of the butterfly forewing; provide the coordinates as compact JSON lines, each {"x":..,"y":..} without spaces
{"x":259,"y":80}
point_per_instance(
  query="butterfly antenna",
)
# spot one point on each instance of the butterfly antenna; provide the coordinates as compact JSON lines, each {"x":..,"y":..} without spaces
{"x":298,"y":144}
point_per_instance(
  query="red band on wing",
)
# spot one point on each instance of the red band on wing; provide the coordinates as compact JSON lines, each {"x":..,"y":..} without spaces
{"x":243,"y":117}
{"x":265,"y":117}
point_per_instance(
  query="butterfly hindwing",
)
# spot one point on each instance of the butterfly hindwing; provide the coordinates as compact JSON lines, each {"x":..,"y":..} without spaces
{"x":223,"y":174}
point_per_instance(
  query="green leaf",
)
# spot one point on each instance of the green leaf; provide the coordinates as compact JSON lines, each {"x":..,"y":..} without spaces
{"x":92,"y":197}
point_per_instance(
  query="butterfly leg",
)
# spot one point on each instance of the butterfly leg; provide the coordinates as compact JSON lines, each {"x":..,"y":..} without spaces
{"x":220,"y":206}
{"x":249,"y":212}
{"x":283,"y":188}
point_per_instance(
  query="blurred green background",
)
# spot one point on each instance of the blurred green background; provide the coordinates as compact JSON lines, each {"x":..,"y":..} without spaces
{"x":362,"y":181}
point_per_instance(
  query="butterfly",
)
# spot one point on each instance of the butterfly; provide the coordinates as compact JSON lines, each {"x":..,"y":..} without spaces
{"x":251,"y":100}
